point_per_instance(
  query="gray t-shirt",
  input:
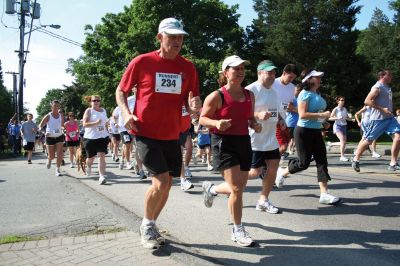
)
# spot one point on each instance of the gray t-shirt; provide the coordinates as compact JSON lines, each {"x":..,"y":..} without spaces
{"x":384,"y":100}
{"x":27,"y":129}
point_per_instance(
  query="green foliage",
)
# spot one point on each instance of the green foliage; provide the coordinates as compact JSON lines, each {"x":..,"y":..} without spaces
{"x":379,"y":44}
{"x":6,"y":108}
{"x":311,"y":33}
{"x":44,"y":106}
{"x":109,"y":46}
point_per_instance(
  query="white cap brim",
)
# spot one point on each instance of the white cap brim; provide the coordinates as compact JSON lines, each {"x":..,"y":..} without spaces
{"x":313,"y":73}
{"x":175,"y":32}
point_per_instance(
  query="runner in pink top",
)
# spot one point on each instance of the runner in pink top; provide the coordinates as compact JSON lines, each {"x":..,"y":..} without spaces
{"x":71,"y":136}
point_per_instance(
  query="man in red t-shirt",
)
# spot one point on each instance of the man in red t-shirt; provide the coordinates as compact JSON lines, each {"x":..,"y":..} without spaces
{"x":164,"y":80}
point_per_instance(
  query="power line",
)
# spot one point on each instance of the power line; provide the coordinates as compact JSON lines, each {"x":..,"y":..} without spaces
{"x":57,"y":36}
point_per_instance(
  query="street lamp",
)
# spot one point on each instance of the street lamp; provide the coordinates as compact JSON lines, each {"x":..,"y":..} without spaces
{"x":54,"y":26}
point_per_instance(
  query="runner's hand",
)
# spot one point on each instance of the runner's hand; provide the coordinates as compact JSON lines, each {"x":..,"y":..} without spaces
{"x":194,"y":102}
{"x":224,"y":124}
{"x":130,"y":120}
{"x":264,"y":115}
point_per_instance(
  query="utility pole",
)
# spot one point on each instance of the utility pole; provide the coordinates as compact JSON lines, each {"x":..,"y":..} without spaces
{"x":21,"y":53}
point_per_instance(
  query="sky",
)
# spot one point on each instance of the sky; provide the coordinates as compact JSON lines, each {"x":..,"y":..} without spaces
{"x":47,"y":58}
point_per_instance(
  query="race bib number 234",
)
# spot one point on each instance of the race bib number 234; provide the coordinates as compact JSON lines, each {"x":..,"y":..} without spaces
{"x":168,"y":83}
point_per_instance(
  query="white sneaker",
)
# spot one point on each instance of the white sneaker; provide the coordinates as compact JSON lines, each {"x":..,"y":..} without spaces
{"x":129,"y":166}
{"x":48,"y":165}
{"x":58,"y":173}
{"x":71,"y":165}
{"x":242,"y":237}
{"x":88,"y":170}
{"x":267,"y":206}
{"x":376,"y":155}
{"x":208,"y":198}
{"x":121,"y":165}
{"x":209,"y":167}
{"x":102,"y":180}
{"x":344,"y":159}
{"x":188,"y":173}
{"x":280,"y":179}
{"x":113,"y":157}
{"x":328,"y":199}
{"x":186,"y":185}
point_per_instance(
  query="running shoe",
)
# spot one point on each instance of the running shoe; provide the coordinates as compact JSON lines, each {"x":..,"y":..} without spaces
{"x":121,"y":165}
{"x":355,"y":165}
{"x":129,"y":166}
{"x":58,"y":173}
{"x":188,"y":173}
{"x":71,"y":165}
{"x":148,"y":236}
{"x":29,"y":162}
{"x":208,"y":197}
{"x":117,"y":160}
{"x":344,"y":159}
{"x":328,"y":146}
{"x":186,"y":185}
{"x":160,"y":238}
{"x":48,"y":165}
{"x":102,"y":180}
{"x":113,"y":157}
{"x":142,"y":175}
{"x":376,"y":155}
{"x":267,"y":206}
{"x":241,"y":237}
{"x":209,"y":167}
{"x":395,"y":167}
{"x":280,"y":179}
{"x":328,"y":199}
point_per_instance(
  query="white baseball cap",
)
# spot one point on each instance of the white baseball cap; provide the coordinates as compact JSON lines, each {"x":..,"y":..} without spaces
{"x":313,"y":73}
{"x":171,"y":26}
{"x":233,"y":61}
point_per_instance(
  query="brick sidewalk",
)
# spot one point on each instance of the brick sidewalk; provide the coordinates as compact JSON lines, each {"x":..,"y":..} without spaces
{"x":122,"y":248}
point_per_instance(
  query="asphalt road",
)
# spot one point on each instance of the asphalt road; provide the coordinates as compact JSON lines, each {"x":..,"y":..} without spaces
{"x":363,"y":230}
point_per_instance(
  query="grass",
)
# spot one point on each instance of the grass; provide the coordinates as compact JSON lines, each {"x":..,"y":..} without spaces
{"x":14,"y":239}
{"x":99,"y":231}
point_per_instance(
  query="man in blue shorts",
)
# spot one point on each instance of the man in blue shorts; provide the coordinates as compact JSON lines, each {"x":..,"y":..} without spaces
{"x":381,"y":120}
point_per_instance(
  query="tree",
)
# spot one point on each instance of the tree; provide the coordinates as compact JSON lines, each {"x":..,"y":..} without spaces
{"x":109,"y":46}
{"x":6,"y":108}
{"x":44,"y":106}
{"x":311,"y":33}
{"x":379,"y":44}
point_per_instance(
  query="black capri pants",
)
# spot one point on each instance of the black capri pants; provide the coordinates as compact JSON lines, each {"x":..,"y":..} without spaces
{"x":309,"y":142}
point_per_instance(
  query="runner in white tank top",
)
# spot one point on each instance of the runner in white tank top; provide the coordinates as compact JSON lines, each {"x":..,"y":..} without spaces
{"x":95,"y":138}
{"x":54,"y":135}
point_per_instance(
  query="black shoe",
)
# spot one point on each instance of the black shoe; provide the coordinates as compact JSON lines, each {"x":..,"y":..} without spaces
{"x":29,"y":162}
{"x":356,"y":166}
{"x":117,"y":160}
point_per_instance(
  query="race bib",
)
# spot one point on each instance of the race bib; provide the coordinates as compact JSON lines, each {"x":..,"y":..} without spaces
{"x":72,"y":134}
{"x":24,"y":142}
{"x":127,"y":138}
{"x":56,"y":131}
{"x":100,"y":128}
{"x":168,"y":83}
{"x":284,"y":106}
{"x":274,"y":115}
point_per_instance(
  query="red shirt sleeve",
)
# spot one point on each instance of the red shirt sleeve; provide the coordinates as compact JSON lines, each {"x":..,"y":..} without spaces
{"x":129,"y":78}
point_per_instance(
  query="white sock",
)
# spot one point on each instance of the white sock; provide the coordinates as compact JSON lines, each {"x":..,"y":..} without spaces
{"x":146,"y":221}
{"x":182,"y":179}
{"x":236,"y":227}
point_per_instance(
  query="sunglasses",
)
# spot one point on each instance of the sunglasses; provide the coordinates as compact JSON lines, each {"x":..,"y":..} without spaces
{"x":94,"y":101}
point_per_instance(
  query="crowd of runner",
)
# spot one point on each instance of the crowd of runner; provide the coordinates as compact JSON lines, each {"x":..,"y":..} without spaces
{"x":160,"y":126}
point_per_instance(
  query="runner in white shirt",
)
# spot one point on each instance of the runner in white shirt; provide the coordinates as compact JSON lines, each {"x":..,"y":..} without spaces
{"x":95,"y":138}
{"x":285,"y":89}
{"x":265,"y":147}
{"x":127,"y":140}
{"x":54,"y":135}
